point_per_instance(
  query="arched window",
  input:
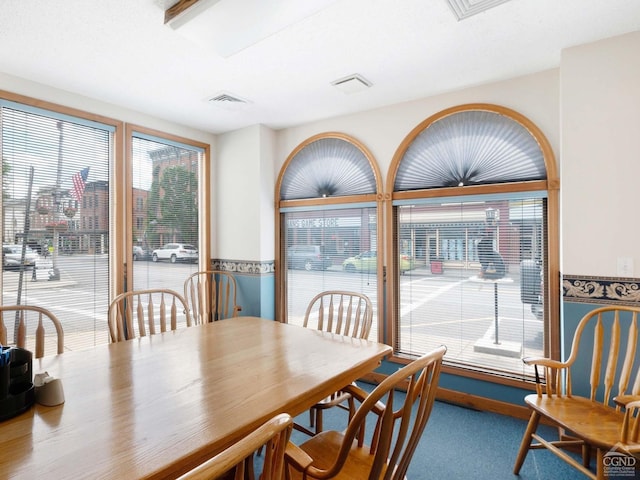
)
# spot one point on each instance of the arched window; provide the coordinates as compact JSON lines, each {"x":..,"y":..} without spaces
{"x":474,"y":208}
{"x":327,"y":198}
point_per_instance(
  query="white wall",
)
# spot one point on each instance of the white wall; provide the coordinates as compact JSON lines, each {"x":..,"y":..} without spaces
{"x":600,"y":176}
{"x":244,"y":198}
{"x":382,"y":130}
{"x":267,"y":194}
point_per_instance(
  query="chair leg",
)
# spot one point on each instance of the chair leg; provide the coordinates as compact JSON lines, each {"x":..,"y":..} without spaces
{"x":526,"y":441}
{"x":586,"y":455}
{"x":600,"y":465}
{"x":318,"y":420}
{"x":352,"y":407}
{"x":312,"y":417}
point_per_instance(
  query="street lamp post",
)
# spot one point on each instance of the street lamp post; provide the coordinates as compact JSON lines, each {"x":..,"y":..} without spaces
{"x":55,"y":272}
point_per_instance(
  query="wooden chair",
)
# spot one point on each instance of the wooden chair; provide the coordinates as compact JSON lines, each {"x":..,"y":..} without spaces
{"x":234,"y":461}
{"x":146,"y":312}
{"x":606,"y":338}
{"x":211,"y":296}
{"x":345,"y":313}
{"x":397,"y":431}
{"x":24,"y":315}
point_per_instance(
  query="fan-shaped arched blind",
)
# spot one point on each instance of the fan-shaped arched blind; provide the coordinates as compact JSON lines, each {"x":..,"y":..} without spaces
{"x":327,"y":167}
{"x":470,"y":148}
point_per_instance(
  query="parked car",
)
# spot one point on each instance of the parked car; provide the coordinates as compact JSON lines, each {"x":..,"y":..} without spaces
{"x":176,"y":252}
{"x":12,"y":255}
{"x":140,"y":253}
{"x":36,"y":247}
{"x":531,"y":287}
{"x":368,"y":262}
{"x":309,"y":257}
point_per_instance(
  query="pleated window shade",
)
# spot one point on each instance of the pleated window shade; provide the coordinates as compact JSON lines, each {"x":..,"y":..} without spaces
{"x":328,"y":167}
{"x":320,"y":240}
{"x":479,"y":258}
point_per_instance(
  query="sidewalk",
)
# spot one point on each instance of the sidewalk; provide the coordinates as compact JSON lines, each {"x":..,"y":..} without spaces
{"x":513,"y":272}
{"x":11,"y":278}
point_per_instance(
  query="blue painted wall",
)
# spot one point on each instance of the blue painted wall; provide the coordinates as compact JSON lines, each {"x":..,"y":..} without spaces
{"x":256,"y":295}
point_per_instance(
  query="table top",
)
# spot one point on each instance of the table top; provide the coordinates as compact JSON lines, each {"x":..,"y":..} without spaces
{"x":157,"y":406}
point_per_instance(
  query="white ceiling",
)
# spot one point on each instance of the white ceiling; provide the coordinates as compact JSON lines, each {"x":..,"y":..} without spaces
{"x":121,"y":52}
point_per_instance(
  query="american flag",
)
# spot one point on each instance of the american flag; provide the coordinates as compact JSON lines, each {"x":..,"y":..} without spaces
{"x":79,"y":182}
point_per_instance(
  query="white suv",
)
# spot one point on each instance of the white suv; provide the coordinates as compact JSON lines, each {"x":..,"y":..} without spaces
{"x":12,"y":255}
{"x":176,"y":252}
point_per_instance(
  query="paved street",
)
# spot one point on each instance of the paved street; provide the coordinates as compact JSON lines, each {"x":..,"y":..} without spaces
{"x":80,"y":297}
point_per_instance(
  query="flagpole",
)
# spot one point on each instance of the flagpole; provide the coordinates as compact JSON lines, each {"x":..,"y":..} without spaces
{"x":55,"y":274}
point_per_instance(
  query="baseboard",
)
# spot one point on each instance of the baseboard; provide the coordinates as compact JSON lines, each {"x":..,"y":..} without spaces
{"x":467,"y":400}
{"x":483,"y":404}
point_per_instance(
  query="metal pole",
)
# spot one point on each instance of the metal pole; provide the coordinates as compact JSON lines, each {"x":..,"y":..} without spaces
{"x":25,"y":233}
{"x":495,"y":310}
{"x":56,"y":215}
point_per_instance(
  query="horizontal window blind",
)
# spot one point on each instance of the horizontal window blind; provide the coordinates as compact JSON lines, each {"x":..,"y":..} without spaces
{"x":330,"y":249}
{"x":164,"y":211}
{"x":475,"y":285}
{"x":55,"y":201}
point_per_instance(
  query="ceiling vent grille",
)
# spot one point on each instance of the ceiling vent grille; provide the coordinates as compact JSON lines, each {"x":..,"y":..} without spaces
{"x":466,"y":8}
{"x":352,"y":84}
{"x":227,"y":99}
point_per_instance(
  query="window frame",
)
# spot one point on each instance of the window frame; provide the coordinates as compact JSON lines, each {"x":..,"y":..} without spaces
{"x":121,"y":207}
{"x":117,"y":145}
{"x":281,"y":291}
{"x":204,"y":198}
{"x":551,"y":272}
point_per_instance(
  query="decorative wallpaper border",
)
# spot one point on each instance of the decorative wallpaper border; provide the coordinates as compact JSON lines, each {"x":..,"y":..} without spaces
{"x":602,"y":290}
{"x":243,"y":266}
{"x":575,"y":288}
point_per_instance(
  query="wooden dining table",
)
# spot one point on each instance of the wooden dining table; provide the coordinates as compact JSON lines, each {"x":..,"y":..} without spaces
{"x":157,"y":406}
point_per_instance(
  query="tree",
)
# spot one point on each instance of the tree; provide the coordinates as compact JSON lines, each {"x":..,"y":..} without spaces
{"x":6,"y":168}
{"x":178,"y":207}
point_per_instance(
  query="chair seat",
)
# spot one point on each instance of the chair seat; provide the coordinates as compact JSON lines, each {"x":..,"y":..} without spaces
{"x":323,"y":448}
{"x":399,"y":423}
{"x":597,"y":424}
{"x":591,"y":423}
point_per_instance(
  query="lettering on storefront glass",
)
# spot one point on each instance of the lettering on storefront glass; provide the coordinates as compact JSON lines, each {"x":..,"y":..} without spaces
{"x":313,"y":222}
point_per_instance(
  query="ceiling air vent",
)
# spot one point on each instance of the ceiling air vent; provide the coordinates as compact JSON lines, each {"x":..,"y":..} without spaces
{"x":230,"y":102}
{"x":226,"y":99}
{"x":352,"y":84}
{"x":466,"y":8}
